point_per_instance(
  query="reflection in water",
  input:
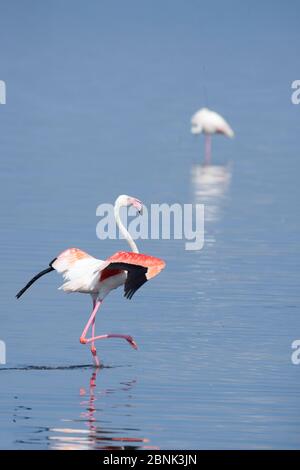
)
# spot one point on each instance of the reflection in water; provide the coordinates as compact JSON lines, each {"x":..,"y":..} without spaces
{"x":210,"y":186}
{"x":94,"y":435}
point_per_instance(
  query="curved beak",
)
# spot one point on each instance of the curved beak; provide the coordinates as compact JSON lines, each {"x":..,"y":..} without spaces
{"x":138,"y":205}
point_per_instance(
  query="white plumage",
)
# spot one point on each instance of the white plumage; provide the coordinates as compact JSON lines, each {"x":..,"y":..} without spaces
{"x":81,"y":273}
{"x":210,"y":122}
{"x":83,"y":276}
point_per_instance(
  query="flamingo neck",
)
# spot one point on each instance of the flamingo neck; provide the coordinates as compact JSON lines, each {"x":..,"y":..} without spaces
{"x":123,"y":230}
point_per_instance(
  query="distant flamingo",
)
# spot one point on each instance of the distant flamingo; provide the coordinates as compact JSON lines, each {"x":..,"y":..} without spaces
{"x":209,"y":123}
{"x":88,"y":275}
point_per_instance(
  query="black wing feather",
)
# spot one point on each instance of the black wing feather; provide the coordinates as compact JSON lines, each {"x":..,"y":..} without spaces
{"x":136,"y":276}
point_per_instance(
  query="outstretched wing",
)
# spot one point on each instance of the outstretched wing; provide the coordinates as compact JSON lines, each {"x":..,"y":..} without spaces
{"x":79,"y":269}
{"x":136,"y":276}
{"x":140,"y":268}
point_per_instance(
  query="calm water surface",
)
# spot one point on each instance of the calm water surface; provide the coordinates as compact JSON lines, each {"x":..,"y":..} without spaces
{"x":99,"y":104}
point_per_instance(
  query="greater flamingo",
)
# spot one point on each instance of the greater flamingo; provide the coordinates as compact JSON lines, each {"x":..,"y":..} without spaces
{"x":209,"y":122}
{"x":86,"y":274}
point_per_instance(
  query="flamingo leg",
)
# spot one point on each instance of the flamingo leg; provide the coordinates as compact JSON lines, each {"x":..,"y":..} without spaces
{"x":207,"y":160}
{"x":93,"y":348}
{"x":91,"y":321}
{"x":96,"y":305}
{"x":113,"y":335}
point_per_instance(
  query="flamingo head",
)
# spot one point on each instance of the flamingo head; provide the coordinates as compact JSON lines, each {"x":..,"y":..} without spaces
{"x":197,"y":126}
{"x":196,"y":129}
{"x":125,"y":200}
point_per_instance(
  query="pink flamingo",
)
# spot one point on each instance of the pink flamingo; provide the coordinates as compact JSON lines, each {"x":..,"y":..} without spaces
{"x":88,"y":275}
{"x":209,"y":122}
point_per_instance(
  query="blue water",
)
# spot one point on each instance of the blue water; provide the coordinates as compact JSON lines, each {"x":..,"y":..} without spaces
{"x":99,"y":98}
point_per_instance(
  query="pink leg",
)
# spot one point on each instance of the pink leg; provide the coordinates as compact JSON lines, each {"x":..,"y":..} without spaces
{"x":91,"y":321}
{"x":96,"y":305}
{"x":93,"y":348}
{"x":112,"y":335}
{"x":207,"y":159}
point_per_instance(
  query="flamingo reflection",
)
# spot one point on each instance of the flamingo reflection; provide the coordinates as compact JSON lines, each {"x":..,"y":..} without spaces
{"x":94,"y":435}
{"x":210,"y":187}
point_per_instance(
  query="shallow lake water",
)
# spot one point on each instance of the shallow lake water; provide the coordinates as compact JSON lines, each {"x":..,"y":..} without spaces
{"x":98,"y":104}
